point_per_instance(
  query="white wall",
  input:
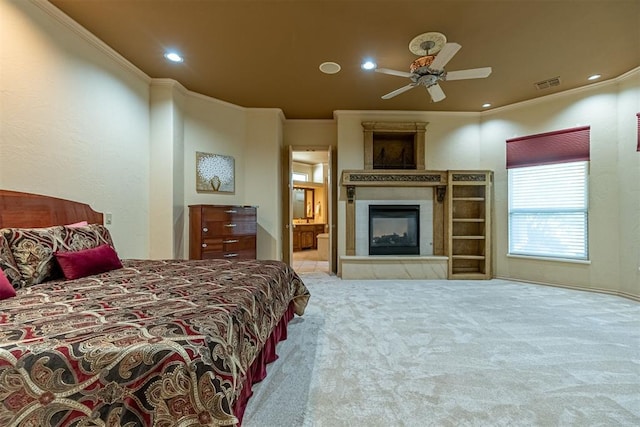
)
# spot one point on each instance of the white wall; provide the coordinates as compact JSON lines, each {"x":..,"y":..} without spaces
{"x":167,"y":221}
{"x":310,"y":133}
{"x":629,"y":184}
{"x":253,"y":137}
{"x":613,"y":188}
{"x":74,"y":122}
{"x":263,"y":186}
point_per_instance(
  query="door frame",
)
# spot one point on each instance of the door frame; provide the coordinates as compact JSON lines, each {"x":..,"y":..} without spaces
{"x":287,"y":205}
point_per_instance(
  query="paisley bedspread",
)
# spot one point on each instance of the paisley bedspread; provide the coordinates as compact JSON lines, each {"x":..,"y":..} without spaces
{"x":162,"y":343}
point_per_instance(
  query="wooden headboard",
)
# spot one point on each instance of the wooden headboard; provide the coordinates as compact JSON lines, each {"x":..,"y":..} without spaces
{"x":25,"y":210}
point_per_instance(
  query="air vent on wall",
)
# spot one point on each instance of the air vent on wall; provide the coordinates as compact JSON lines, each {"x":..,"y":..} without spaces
{"x":546,"y":84}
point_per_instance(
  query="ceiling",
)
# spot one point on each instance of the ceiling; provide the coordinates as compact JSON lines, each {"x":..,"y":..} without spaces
{"x":266,"y":53}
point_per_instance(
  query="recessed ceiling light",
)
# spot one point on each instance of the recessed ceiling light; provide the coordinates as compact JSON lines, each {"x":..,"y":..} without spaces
{"x":594,"y":77}
{"x":486,"y":105}
{"x":368,"y":65}
{"x":173,"y":57}
{"x":330,"y":67}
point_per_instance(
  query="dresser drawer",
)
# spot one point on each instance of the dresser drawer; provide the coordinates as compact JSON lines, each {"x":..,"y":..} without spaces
{"x":228,"y":228}
{"x":238,"y":255}
{"x":218,"y":244}
{"x":240,"y":248}
{"x":229,"y":213}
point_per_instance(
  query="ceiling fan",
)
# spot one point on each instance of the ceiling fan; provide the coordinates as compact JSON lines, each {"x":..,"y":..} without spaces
{"x":428,"y":70}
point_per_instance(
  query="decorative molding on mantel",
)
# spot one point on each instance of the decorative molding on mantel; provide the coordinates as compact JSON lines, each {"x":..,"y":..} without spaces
{"x":405,"y":178}
{"x":405,"y":127}
{"x":393,"y":178}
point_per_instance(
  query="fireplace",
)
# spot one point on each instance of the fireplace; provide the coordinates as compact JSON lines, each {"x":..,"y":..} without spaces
{"x":394,"y":229}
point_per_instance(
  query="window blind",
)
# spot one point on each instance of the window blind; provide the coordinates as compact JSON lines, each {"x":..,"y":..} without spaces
{"x":561,"y":146}
{"x":548,"y":210}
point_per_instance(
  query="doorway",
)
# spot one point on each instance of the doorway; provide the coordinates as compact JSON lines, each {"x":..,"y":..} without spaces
{"x":310,"y":205}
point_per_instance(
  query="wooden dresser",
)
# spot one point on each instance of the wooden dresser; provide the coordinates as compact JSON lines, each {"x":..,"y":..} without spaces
{"x":222,"y":231}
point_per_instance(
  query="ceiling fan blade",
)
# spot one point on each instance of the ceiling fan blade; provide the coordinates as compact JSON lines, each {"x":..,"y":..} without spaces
{"x":398,"y":91}
{"x":473,"y":73}
{"x":446,"y":53}
{"x":393,"y":72}
{"x":436,"y":93}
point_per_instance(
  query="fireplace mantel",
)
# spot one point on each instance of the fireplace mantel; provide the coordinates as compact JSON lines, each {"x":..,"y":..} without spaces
{"x":393,"y":178}
{"x":461,"y":204}
{"x":352,"y":179}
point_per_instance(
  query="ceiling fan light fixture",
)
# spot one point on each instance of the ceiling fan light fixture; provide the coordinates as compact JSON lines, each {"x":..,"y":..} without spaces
{"x":330,"y":67}
{"x":174,"y":57}
{"x":368,"y":65}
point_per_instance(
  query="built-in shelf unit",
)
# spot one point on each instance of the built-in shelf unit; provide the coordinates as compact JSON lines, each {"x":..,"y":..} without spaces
{"x":469,"y":215}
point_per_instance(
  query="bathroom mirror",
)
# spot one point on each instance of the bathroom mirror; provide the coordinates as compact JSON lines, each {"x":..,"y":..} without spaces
{"x":303,"y":203}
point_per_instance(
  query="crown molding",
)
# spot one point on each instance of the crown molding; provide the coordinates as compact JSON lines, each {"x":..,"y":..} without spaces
{"x":79,"y":30}
{"x":314,"y":121}
{"x":385,"y":114}
{"x":563,"y":94}
{"x":170,"y":83}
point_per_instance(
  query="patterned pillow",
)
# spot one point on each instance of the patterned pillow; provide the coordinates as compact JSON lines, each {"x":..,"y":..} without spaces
{"x":87,"y":237}
{"x":33,"y":249}
{"x":8,"y":264}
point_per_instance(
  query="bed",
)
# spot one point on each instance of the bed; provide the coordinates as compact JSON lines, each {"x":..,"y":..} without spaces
{"x":153,"y":342}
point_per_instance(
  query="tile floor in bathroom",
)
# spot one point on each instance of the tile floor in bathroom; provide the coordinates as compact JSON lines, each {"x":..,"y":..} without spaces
{"x":307,"y":261}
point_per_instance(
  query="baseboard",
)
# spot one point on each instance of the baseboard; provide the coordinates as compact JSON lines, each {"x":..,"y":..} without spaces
{"x":577,"y":288}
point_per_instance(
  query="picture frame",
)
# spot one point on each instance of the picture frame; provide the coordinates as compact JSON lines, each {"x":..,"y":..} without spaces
{"x":215,"y":173}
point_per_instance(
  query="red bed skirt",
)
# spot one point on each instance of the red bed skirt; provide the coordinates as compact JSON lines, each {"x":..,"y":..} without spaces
{"x":258,"y":370}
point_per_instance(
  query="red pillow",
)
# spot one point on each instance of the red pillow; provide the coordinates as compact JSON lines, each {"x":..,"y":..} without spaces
{"x":6,"y":288}
{"x":88,"y":261}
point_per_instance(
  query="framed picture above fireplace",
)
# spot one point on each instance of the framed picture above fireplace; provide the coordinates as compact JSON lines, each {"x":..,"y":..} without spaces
{"x":394,"y":145}
{"x":394,"y":151}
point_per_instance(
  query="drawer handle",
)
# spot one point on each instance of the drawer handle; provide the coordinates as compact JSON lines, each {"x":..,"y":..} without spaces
{"x":231,"y":241}
{"x":229,"y":225}
{"x":205,"y":230}
{"x":231,"y":211}
{"x":230,"y":255}
{"x":204,"y":245}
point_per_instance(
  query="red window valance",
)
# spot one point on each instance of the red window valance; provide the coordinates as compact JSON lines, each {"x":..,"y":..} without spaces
{"x":638,"y":116}
{"x":569,"y":145}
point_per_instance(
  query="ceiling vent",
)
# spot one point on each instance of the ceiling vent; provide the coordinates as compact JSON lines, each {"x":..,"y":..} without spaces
{"x":546,"y":84}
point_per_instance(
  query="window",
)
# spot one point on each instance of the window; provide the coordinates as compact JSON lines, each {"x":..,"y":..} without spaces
{"x":297,"y":176}
{"x":548,"y":210}
{"x":548,"y":194}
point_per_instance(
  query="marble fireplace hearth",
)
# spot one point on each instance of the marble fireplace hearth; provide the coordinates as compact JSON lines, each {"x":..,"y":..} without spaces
{"x":393,"y":267}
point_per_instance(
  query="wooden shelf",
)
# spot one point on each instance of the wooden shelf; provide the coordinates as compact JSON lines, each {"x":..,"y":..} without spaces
{"x":469,"y":227}
{"x":467,"y":256}
{"x":469,"y":199}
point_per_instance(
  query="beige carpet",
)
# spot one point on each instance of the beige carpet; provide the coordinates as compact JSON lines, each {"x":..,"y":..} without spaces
{"x":453,"y":353}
